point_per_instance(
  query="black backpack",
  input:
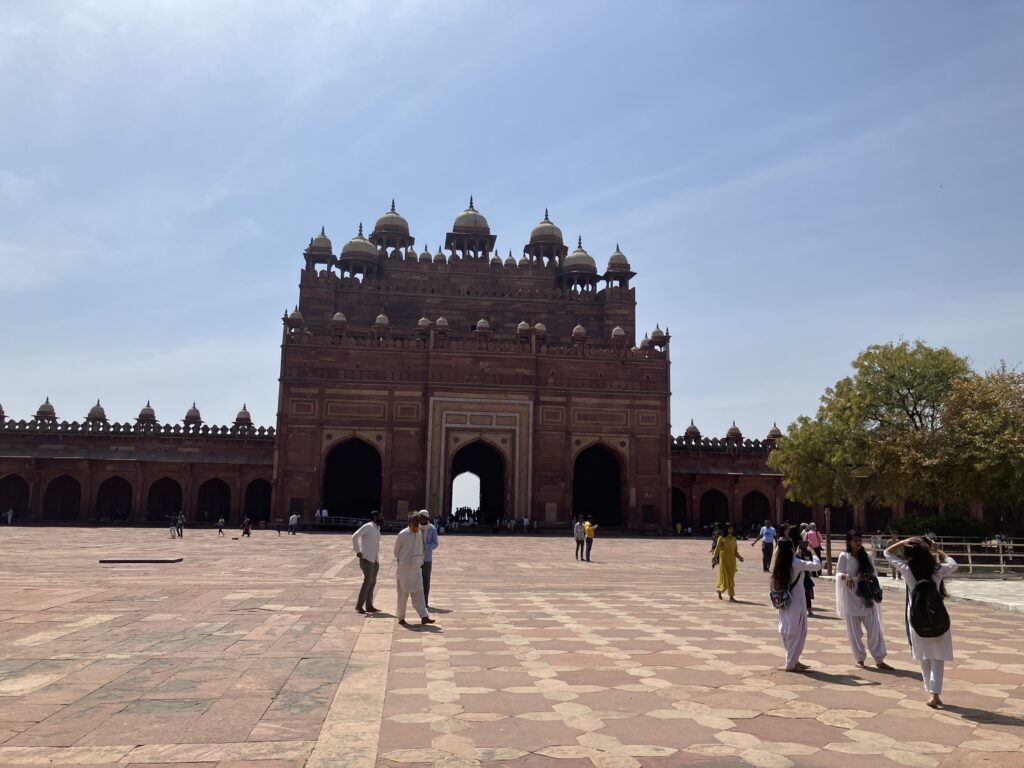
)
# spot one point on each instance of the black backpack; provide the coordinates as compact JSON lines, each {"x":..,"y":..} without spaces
{"x":928,"y":614}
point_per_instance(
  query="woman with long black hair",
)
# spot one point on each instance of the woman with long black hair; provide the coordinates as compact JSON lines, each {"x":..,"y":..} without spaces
{"x":786,"y":575}
{"x":922,"y":561}
{"x":856,"y":604}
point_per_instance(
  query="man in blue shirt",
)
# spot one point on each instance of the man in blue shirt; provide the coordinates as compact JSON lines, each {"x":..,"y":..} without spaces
{"x":767,"y":539}
{"x":429,"y":533}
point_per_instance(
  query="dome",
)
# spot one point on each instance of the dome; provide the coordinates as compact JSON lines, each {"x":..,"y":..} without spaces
{"x":471,"y":222}
{"x":524,"y":261}
{"x":359,"y":246}
{"x":774,"y":433}
{"x":580,"y":261}
{"x":425,"y":256}
{"x":618,"y":261}
{"x":579,"y":331}
{"x":97,"y":413}
{"x":483,"y":325}
{"x":439,"y":257}
{"x":391,"y":223}
{"x":523,"y":327}
{"x":645,"y":342}
{"x":382,"y":319}
{"x":442,"y":324}
{"x":734,"y":433}
{"x":147,"y":413}
{"x":692,"y":431}
{"x":46,"y":411}
{"x":540,"y":328}
{"x":496,"y":260}
{"x":243,"y":416}
{"x":339,"y":318}
{"x":192,"y":415}
{"x":546,"y":232}
{"x":657,"y":334}
{"x":423,"y":322}
{"x":295,"y":319}
{"x":510,"y":261}
{"x":321,"y":241}
{"x":618,"y":332}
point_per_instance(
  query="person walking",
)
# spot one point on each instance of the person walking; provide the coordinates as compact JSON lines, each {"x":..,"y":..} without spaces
{"x":409,"y":571}
{"x":924,"y":568}
{"x":293,"y":523}
{"x":856,"y":604}
{"x":767,"y":538}
{"x":577,"y":534}
{"x":10,"y":515}
{"x":247,"y":527}
{"x":430,"y":543}
{"x":366,"y":543}
{"x":786,"y":575}
{"x":220,"y":526}
{"x":726,"y":554}
{"x":588,"y":534}
{"x":179,"y":524}
{"x":814,"y":540}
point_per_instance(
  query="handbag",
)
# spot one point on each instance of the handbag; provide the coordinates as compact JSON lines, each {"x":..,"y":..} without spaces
{"x":781,"y":600}
{"x":869,"y":590}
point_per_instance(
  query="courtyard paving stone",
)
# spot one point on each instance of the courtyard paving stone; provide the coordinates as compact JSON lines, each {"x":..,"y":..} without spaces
{"x":249,"y":653}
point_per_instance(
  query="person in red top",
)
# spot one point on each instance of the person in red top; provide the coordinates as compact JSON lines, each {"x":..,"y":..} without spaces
{"x":813,"y":539}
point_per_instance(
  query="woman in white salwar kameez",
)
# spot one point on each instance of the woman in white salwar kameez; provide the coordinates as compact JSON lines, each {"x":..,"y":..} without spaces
{"x":788,"y":575}
{"x":922,"y":560}
{"x":856,"y":605}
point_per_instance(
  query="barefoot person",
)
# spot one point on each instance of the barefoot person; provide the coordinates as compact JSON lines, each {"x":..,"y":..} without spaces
{"x":855,"y":603}
{"x":409,"y":570}
{"x":785,"y":584}
{"x":924,"y":566}
{"x":726,"y":554}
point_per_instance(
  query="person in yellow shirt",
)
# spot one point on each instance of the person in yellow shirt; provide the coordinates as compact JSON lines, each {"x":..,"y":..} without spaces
{"x":726,"y":555}
{"x":588,"y":535}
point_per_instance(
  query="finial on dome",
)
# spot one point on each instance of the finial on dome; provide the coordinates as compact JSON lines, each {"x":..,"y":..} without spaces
{"x":617,"y":247}
{"x":322,"y":232}
{"x":546,"y":216}
{"x":579,"y":241}
{"x":360,"y":229}
{"x":471,"y":203}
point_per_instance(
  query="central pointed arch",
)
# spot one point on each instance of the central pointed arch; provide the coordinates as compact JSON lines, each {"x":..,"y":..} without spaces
{"x":114,"y":500}
{"x":352,"y":479}
{"x":597,"y":486}
{"x":63,"y":499}
{"x":487,"y":463}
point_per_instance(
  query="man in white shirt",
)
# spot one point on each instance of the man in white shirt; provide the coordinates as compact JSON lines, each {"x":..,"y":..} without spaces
{"x":767,"y":538}
{"x":409,"y":570}
{"x":366,"y":543}
{"x":577,"y":533}
{"x":293,"y":523}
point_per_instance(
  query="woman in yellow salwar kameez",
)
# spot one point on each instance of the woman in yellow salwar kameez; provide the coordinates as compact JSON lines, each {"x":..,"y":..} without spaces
{"x":726,"y":555}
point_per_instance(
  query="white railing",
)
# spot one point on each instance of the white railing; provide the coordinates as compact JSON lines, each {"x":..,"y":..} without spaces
{"x":977,"y":557}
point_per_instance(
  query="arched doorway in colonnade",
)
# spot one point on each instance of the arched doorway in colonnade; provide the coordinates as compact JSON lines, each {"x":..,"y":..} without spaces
{"x":14,"y":493}
{"x":213,"y":501}
{"x":257,"y":501}
{"x":680,"y":512}
{"x":597,"y":486}
{"x":488,"y":465}
{"x":714,"y":508}
{"x":63,"y":499}
{"x":352,"y":479}
{"x":163,"y":501}
{"x":755,"y":509}
{"x":114,"y":500}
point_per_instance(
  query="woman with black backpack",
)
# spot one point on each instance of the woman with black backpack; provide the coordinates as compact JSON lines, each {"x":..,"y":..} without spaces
{"x":787,"y":573}
{"x":858,"y":594}
{"x":924,"y":567}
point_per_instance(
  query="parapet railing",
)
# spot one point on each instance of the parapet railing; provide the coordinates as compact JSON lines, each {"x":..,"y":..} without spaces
{"x":143,"y":429}
{"x":977,"y":557}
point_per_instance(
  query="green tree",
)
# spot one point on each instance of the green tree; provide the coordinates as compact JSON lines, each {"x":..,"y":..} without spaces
{"x":877,"y":433}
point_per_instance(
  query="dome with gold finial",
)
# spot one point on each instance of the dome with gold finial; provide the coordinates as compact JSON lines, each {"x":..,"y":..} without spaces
{"x":439,"y":257}
{"x":471,"y":222}
{"x":391,"y":223}
{"x":774,"y":433}
{"x":244,"y":418}
{"x":321,"y":241}
{"x":192,"y":415}
{"x":46,"y":411}
{"x":359,"y":246}
{"x":96,"y":413}
{"x":546,"y":232}
{"x":580,"y":261}
{"x":618,"y":262}
{"x":692,"y":432}
{"x":147,"y":414}
{"x":734,"y":433}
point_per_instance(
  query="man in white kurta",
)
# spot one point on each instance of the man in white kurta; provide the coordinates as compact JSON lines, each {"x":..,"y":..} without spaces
{"x":409,"y":570}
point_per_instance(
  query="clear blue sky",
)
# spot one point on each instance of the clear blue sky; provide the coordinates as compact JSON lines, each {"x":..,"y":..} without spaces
{"x":791,"y":180}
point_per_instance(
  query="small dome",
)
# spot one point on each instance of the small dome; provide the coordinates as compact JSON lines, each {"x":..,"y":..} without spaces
{"x":295,"y":319}
{"x":442,"y":324}
{"x":46,"y":411}
{"x":423,"y":322}
{"x":359,"y":246}
{"x":546,"y":232}
{"x":382,"y":319}
{"x":321,"y":241}
{"x":339,"y":318}
{"x":524,"y":261}
{"x":496,"y":260}
{"x":391,"y":223}
{"x":97,"y":413}
{"x":618,"y":332}
{"x":580,"y":261}
{"x":618,"y":262}
{"x":243,"y":416}
{"x":657,"y":334}
{"x":147,"y":413}
{"x":483,"y":325}
{"x":425,"y":256}
{"x":734,"y":432}
{"x":540,"y":329}
{"x":579,"y":331}
{"x":471,"y":222}
{"x":192,"y":415}
{"x":692,"y":431}
{"x":523,"y":327}
{"x":774,"y":433}
{"x":439,"y":257}
{"x":645,"y":342}
{"x":510,"y":261}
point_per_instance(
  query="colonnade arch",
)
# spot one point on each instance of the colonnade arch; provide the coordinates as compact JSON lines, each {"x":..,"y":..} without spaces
{"x":14,"y":495}
{"x":597,"y":486}
{"x":113,"y":500}
{"x":714,"y":508}
{"x":257,"y":501}
{"x":486,"y":462}
{"x":163,"y":501}
{"x":213,"y":501}
{"x":63,"y":499}
{"x":754,"y":510}
{"x":353,"y":476}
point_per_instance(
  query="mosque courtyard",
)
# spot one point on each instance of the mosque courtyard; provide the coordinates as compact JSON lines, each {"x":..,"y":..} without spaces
{"x":249,"y":653}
